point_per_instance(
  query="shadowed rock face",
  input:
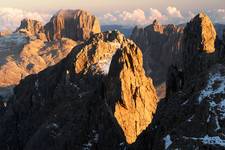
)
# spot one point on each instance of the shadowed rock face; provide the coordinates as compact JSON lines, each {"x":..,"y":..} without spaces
{"x":191,"y":117}
{"x":75,"y":24}
{"x":79,"y":104}
{"x":161,"y":46}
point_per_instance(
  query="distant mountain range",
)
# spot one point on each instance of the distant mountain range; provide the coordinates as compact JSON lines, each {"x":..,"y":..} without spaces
{"x":127,"y":30}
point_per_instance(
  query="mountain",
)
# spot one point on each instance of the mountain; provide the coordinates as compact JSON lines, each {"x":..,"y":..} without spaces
{"x":98,"y":97}
{"x":192,"y":116}
{"x":33,"y":46}
{"x":162,"y":47}
{"x":77,"y":25}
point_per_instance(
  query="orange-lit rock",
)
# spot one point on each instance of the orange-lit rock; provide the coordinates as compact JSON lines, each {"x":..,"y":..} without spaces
{"x":74,"y":24}
{"x":201,"y":33}
{"x":132,"y":92}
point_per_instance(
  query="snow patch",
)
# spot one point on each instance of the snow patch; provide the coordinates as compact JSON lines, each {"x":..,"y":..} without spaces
{"x":167,"y":141}
{"x":215,"y":85}
{"x":52,"y":125}
{"x":94,"y":137}
{"x":214,"y":140}
{"x":104,"y":64}
{"x":184,"y":103}
{"x":190,"y":119}
{"x":209,"y":90}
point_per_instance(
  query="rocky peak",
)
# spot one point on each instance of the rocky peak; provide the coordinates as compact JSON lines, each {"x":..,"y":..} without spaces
{"x":76,"y":104}
{"x":33,"y":27}
{"x":198,"y":45}
{"x":157,"y":27}
{"x":131,"y":92}
{"x":201,"y":33}
{"x":96,"y":56}
{"x":74,"y":24}
{"x":161,"y":47}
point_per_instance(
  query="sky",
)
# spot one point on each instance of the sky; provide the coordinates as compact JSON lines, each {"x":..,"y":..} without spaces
{"x":123,"y":12}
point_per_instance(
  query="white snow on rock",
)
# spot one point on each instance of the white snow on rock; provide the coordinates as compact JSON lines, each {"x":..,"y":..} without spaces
{"x":190,"y":119}
{"x":52,"y":125}
{"x":216,"y":85}
{"x":104,"y":64}
{"x":167,"y":141}
{"x":94,"y":139}
{"x":209,"y":90}
{"x":213,"y":140}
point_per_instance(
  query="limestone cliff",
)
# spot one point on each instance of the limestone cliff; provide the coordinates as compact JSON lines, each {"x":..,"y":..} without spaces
{"x":98,"y":97}
{"x":75,"y":24}
{"x":133,"y":93}
{"x":32,"y":28}
{"x":161,"y":47}
{"x":198,"y":45}
{"x":192,"y":115}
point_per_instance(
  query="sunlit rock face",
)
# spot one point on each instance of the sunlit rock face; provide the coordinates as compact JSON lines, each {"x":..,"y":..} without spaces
{"x":192,"y":114}
{"x":95,"y":57}
{"x":75,"y":24}
{"x":32,"y":28}
{"x":98,"y":96}
{"x":21,"y":56}
{"x":131,"y":92}
{"x":198,"y":45}
{"x":200,"y":32}
{"x":26,"y":52}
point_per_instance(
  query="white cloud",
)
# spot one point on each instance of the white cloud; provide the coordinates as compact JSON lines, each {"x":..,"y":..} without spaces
{"x":10,"y":17}
{"x":218,"y":15}
{"x":156,"y":14}
{"x":174,"y":12}
{"x":140,"y":17}
{"x":137,"y":16}
{"x":170,"y":15}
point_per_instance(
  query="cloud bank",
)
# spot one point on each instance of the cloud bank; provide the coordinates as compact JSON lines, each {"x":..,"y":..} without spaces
{"x":10,"y":17}
{"x":170,"y":15}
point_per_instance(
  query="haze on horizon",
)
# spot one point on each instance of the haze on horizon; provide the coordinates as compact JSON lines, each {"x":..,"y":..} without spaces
{"x":125,"y":12}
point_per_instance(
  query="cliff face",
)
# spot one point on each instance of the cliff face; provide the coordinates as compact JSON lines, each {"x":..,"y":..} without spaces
{"x":132,"y":92}
{"x":79,"y":103}
{"x":26,"y":51}
{"x":161,"y":46}
{"x":198,"y":45}
{"x":194,"y":107}
{"x":31,"y":27}
{"x":74,"y":24}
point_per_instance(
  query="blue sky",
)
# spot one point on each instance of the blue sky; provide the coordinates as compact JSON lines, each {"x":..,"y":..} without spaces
{"x":125,"y":12}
